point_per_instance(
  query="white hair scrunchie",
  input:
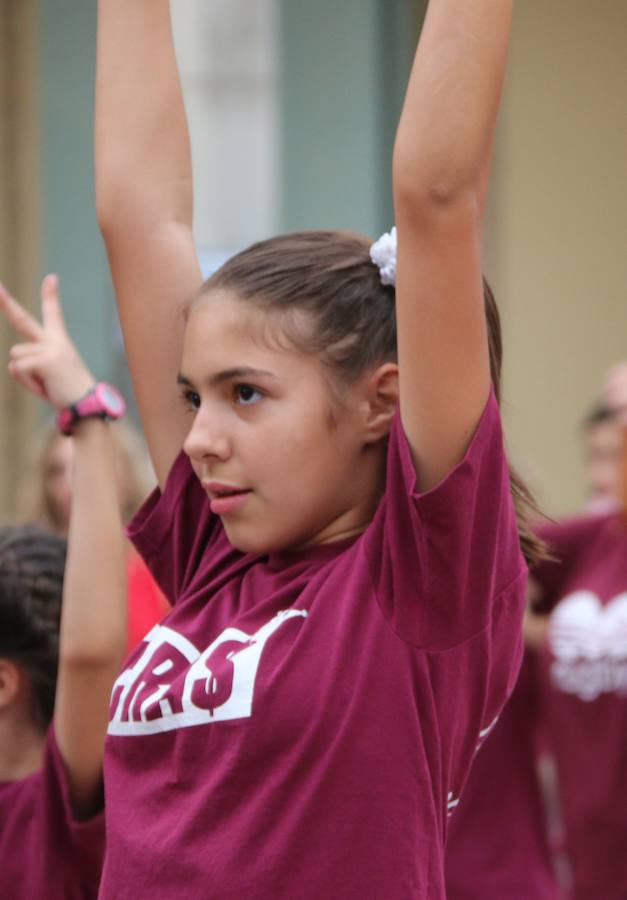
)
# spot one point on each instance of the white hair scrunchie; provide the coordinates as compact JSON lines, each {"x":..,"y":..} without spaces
{"x":383,"y":255}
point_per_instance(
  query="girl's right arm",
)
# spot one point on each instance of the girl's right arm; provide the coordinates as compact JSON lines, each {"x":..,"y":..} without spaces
{"x":144,"y":201}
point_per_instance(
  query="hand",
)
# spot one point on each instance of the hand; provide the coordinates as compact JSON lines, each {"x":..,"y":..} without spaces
{"x":46,"y":363}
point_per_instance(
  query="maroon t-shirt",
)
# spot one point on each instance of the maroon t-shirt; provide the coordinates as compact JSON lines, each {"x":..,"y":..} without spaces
{"x":584,"y":669}
{"x":44,"y":851}
{"x":301,"y":724}
{"x":498,"y":844}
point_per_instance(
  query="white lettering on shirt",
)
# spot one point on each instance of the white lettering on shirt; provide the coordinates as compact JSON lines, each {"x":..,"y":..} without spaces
{"x":589,"y":645}
{"x":174,"y":685}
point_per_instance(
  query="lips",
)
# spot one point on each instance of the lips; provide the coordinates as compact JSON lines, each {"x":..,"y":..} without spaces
{"x":225,"y":498}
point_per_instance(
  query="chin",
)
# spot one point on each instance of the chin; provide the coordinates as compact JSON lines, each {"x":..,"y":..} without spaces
{"x":247,"y":543}
{"x":255,"y":542}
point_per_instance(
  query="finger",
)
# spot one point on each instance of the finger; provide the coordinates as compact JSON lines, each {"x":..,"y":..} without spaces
{"x":21,"y":320}
{"x":27,"y":379}
{"x":18,"y":351}
{"x":51,"y":312}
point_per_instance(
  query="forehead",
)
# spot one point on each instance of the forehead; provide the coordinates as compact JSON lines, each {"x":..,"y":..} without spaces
{"x":223,"y":331}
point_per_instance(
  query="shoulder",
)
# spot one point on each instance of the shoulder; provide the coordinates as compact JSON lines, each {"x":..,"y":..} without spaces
{"x":566,"y":535}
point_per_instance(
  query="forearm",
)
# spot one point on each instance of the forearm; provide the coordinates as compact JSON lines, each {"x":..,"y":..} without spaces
{"x":93,"y":627}
{"x":143,"y":161}
{"x":447,"y":126}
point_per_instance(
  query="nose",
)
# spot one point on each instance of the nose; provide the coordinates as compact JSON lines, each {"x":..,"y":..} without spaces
{"x":207,"y":438}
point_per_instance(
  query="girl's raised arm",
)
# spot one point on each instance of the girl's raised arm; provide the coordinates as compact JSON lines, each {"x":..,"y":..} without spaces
{"x":93,"y":615}
{"x":441,"y":162}
{"x":144,"y":201}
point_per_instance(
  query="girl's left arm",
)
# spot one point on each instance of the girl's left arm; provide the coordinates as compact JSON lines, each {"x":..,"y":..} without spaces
{"x":93,"y":616}
{"x":93,"y":620}
{"x":440,"y":174}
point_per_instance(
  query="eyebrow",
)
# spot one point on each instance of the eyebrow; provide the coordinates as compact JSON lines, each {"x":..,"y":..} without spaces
{"x":228,"y":375}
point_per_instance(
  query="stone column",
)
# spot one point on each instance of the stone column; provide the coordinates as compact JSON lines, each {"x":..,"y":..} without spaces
{"x":18,"y":225}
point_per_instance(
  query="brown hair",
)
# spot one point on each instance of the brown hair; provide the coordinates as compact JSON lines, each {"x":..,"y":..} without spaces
{"x":350,"y":315}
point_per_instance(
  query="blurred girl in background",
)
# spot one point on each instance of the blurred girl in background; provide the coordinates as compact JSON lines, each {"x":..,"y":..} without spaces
{"x":583,"y":680}
{"x":46,"y":497}
{"x":62,"y":637}
{"x":571,"y":699}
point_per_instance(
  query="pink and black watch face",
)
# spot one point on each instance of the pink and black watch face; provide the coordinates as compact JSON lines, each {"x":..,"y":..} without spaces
{"x":109,"y":400}
{"x":102,"y":400}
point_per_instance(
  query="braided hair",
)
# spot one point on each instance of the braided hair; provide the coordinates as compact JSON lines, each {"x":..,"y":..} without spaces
{"x":32,"y":562}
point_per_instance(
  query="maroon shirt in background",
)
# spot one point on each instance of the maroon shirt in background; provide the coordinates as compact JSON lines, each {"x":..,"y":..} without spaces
{"x":300,"y":724}
{"x":584,"y":673}
{"x":498,"y":844}
{"x":45,"y":853}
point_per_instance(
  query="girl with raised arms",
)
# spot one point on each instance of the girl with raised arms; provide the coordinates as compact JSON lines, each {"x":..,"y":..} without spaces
{"x":58,"y":660}
{"x":335,"y":524}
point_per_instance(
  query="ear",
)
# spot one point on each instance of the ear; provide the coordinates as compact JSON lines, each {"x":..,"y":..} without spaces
{"x":380,"y":402}
{"x":10,"y":682}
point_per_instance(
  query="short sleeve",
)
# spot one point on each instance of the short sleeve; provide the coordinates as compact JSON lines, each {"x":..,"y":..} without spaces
{"x":565,"y":541}
{"x":440,"y":559}
{"x":77,"y":844}
{"x":175,"y":530}
{"x":89,"y":831}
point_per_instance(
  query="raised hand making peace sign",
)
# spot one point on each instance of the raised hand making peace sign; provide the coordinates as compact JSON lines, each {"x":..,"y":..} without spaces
{"x":46,"y":362}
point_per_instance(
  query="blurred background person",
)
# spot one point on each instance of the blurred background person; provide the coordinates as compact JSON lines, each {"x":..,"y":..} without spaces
{"x":603,"y":446}
{"x":62,"y":637}
{"x":582,"y":676}
{"x":505,"y":839}
{"x":499,"y":844}
{"x":46,"y":497}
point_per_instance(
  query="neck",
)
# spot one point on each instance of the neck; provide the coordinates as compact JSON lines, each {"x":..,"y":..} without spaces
{"x":368,"y":488}
{"x":21,"y":745}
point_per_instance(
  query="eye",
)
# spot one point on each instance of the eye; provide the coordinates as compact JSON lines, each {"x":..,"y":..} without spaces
{"x":190,"y":399}
{"x":246,"y":394}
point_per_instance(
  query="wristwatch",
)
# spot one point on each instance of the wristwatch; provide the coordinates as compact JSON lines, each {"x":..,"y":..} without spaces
{"x":101,"y":400}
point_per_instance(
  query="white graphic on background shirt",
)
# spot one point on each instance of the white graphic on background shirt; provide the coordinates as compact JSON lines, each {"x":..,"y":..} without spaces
{"x":174,"y":685}
{"x":589,"y":643}
{"x":452,"y":803}
{"x":452,"y":800}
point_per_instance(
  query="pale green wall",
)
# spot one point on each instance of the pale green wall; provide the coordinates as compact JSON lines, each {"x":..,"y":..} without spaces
{"x":345,"y":66}
{"x":70,"y":241}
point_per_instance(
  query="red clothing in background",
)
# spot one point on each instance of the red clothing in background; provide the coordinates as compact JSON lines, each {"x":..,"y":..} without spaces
{"x":146,"y":603}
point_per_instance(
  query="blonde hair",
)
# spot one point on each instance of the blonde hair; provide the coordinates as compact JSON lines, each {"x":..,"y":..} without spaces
{"x":35,"y":503}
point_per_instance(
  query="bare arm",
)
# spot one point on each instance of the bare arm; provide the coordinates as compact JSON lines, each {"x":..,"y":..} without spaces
{"x":93,"y":616}
{"x":93,"y":622}
{"x":440,"y":173}
{"x":144,"y":200}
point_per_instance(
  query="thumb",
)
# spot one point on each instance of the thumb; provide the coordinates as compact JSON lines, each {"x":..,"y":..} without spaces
{"x":51,"y":312}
